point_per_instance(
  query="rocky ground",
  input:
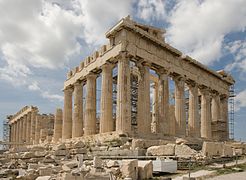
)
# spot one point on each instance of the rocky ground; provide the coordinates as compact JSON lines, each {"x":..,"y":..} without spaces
{"x":110,"y":159}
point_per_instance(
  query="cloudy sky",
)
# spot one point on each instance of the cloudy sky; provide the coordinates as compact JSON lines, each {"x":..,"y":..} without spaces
{"x":41,"y":40}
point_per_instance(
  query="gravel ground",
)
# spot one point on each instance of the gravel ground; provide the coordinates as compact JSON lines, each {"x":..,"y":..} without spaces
{"x":235,"y":176}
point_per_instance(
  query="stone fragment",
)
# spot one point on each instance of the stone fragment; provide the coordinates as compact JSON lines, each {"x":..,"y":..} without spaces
{"x":61,"y":152}
{"x":97,"y":162}
{"x":227,"y":150}
{"x":79,"y":144}
{"x":59,"y":147}
{"x":97,"y":176}
{"x":43,"y":178}
{"x":72,"y":164}
{"x":212,"y":148}
{"x":181,"y":141}
{"x":129,"y":169}
{"x":145,"y":169}
{"x":28,"y":155}
{"x":112,"y":163}
{"x":45,"y":171}
{"x":184,"y":150}
{"x":163,"y":150}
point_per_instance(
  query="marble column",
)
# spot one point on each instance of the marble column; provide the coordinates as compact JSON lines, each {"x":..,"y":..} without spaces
{"x":123,"y":108}
{"x":90,"y":108}
{"x":106,"y":116}
{"x":15,"y":130}
{"x":206,"y":131}
{"x":77,"y":126}
{"x":18,"y":131}
{"x":28,"y":127}
{"x":193,"y":120}
{"x":143,"y":106}
{"x":58,"y":125}
{"x":163,"y":104}
{"x":215,"y":108}
{"x":33,"y":121}
{"x":224,"y":115}
{"x":24,"y":128}
{"x":67,"y":114}
{"x":21,"y":129}
{"x":37,"y":128}
{"x":154,"y":122}
{"x":180,"y":106}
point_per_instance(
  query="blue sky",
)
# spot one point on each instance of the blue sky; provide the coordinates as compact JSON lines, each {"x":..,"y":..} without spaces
{"x":41,"y":40}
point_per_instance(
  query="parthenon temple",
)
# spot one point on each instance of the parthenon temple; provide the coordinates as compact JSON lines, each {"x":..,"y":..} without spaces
{"x":136,"y":85}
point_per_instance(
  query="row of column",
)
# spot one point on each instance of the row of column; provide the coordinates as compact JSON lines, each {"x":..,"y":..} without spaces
{"x":23,"y":129}
{"x":72,"y":124}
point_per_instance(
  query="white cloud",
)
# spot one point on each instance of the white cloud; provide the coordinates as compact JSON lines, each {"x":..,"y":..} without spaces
{"x":198,"y":27}
{"x":240,"y":100}
{"x":238,"y":50}
{"x":100,"y":15}
{"x":150,"y":10}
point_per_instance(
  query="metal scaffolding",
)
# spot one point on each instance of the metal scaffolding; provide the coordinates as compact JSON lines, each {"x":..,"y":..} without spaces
{"x":6,"y":130}
{"x":231,"y":112}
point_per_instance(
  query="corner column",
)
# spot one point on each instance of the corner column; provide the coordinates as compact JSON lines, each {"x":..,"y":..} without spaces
{"x":224,"y":115}
{"x":180,"y":106}
{"x":123,"y":109}
{"x":28,"y":127}
{"x":163,"y":103}
{"x":90,"y":108}
{"x":33,"y":121}
{"x":58,"y":125}
{"x":67,"y":114}
{"x":206,"y":131}
{"x":106,"y":116}
{"x":77,"y":127}
{"x":143,"y":114}
{"x":193,"y":125}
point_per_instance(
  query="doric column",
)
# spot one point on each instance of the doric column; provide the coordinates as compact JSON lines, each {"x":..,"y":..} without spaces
{"x":143,"y":113}
{"x":90,"y":108}
{"x":106,"y":116}
{"x":28,"y":127}
{"x":33,"y":121}
{"x":24,"y":119}
{"x":154,"y":122}
{"x":37,"y":128}
{"x":193,"y":123}
{"x":224,"y":115}
{"x":14,"y":135}
{"x":21,"y":129}
{"x":18,"y":131}
{"x":67,"y":114}
{"x":163,"y":103}
{"x":180,"y":106}
{"x":77,"y":127}
{"x":58,"y":125}
{"x":205,"y":114}
{"x":123,"y":109}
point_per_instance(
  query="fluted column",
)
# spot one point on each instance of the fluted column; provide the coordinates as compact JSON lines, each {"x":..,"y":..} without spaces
{"x":154,"y":122}
{"x":28,"y":127}
{"x":58,"y":125}
{"x":106,"y":116}
{"x":18,"y":131}
{"x":163,"y":104}
{"x":90,"y":108}
{"x":77,"y":127}
{"x":37,"y":128}
{"x":24,"y":119}
{"x":193,"y":120}
{"x":206,"y":131}
{"x":224,"y":115}
{"x":123,"y":109}
{"x":15,"y":132}
{"x":143,"y":115}
{"x":33,"y":121}
{"x":67,"y":114}
{"x":21,"y":129}
{"x":180,"y":107}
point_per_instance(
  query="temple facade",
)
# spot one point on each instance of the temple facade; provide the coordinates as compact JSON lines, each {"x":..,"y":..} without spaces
{"x":147,"y":88}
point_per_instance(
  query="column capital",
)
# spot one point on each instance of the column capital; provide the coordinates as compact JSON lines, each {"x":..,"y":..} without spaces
{"x":178,"y":78}
{"x":190,"y":83}
{"x":91,"y":75}
{"x":162,"y":71}
{"x":107,"y":65}
{"x":68,"y":89}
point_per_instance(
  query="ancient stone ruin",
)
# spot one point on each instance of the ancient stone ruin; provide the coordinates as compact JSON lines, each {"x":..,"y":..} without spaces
{"x":154,"y":101}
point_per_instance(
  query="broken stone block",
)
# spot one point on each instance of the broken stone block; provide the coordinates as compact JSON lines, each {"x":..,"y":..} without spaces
{"x":227,"y":150}
{"x":163,"y":150}
{"x":72,"y":164}
{"x":78,"y":144}
{"x":97,"y":176}
{"x":59,"y":147}
{"x":61,"y":152}
{"x":97,"y":162}
{"x":129,"y":169}
{"x":145,"y":169}
{"x":181,"y":141}
{"x":212,"y":148}
{"x":27,"y":155}
{"x":43,"y":178}
{"x":184,"y":150}
{"x":45,"y":171}
{"x":112,"y":163}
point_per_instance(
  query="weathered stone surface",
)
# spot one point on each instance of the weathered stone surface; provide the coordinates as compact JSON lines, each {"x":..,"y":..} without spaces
{"x":212,"y":148}
{"x":28,"y":155}
{"x":129,"y":169}
{"x":59,"y":147}
{"x":62,"y":152}
{"x":97,"y":162}
{"x":72,"y":164}
{"x":184,"y":150}
{"x":227,"y":150}
{"x":43,"y":178}
{"x":145,"y":169}
{"x":181,"y":141}
{"x":163,"y":150}
{"x":97,"y":176}
{"x":112,"y":163}
{"x":45,"y":171}
{"x":79,"y":144}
